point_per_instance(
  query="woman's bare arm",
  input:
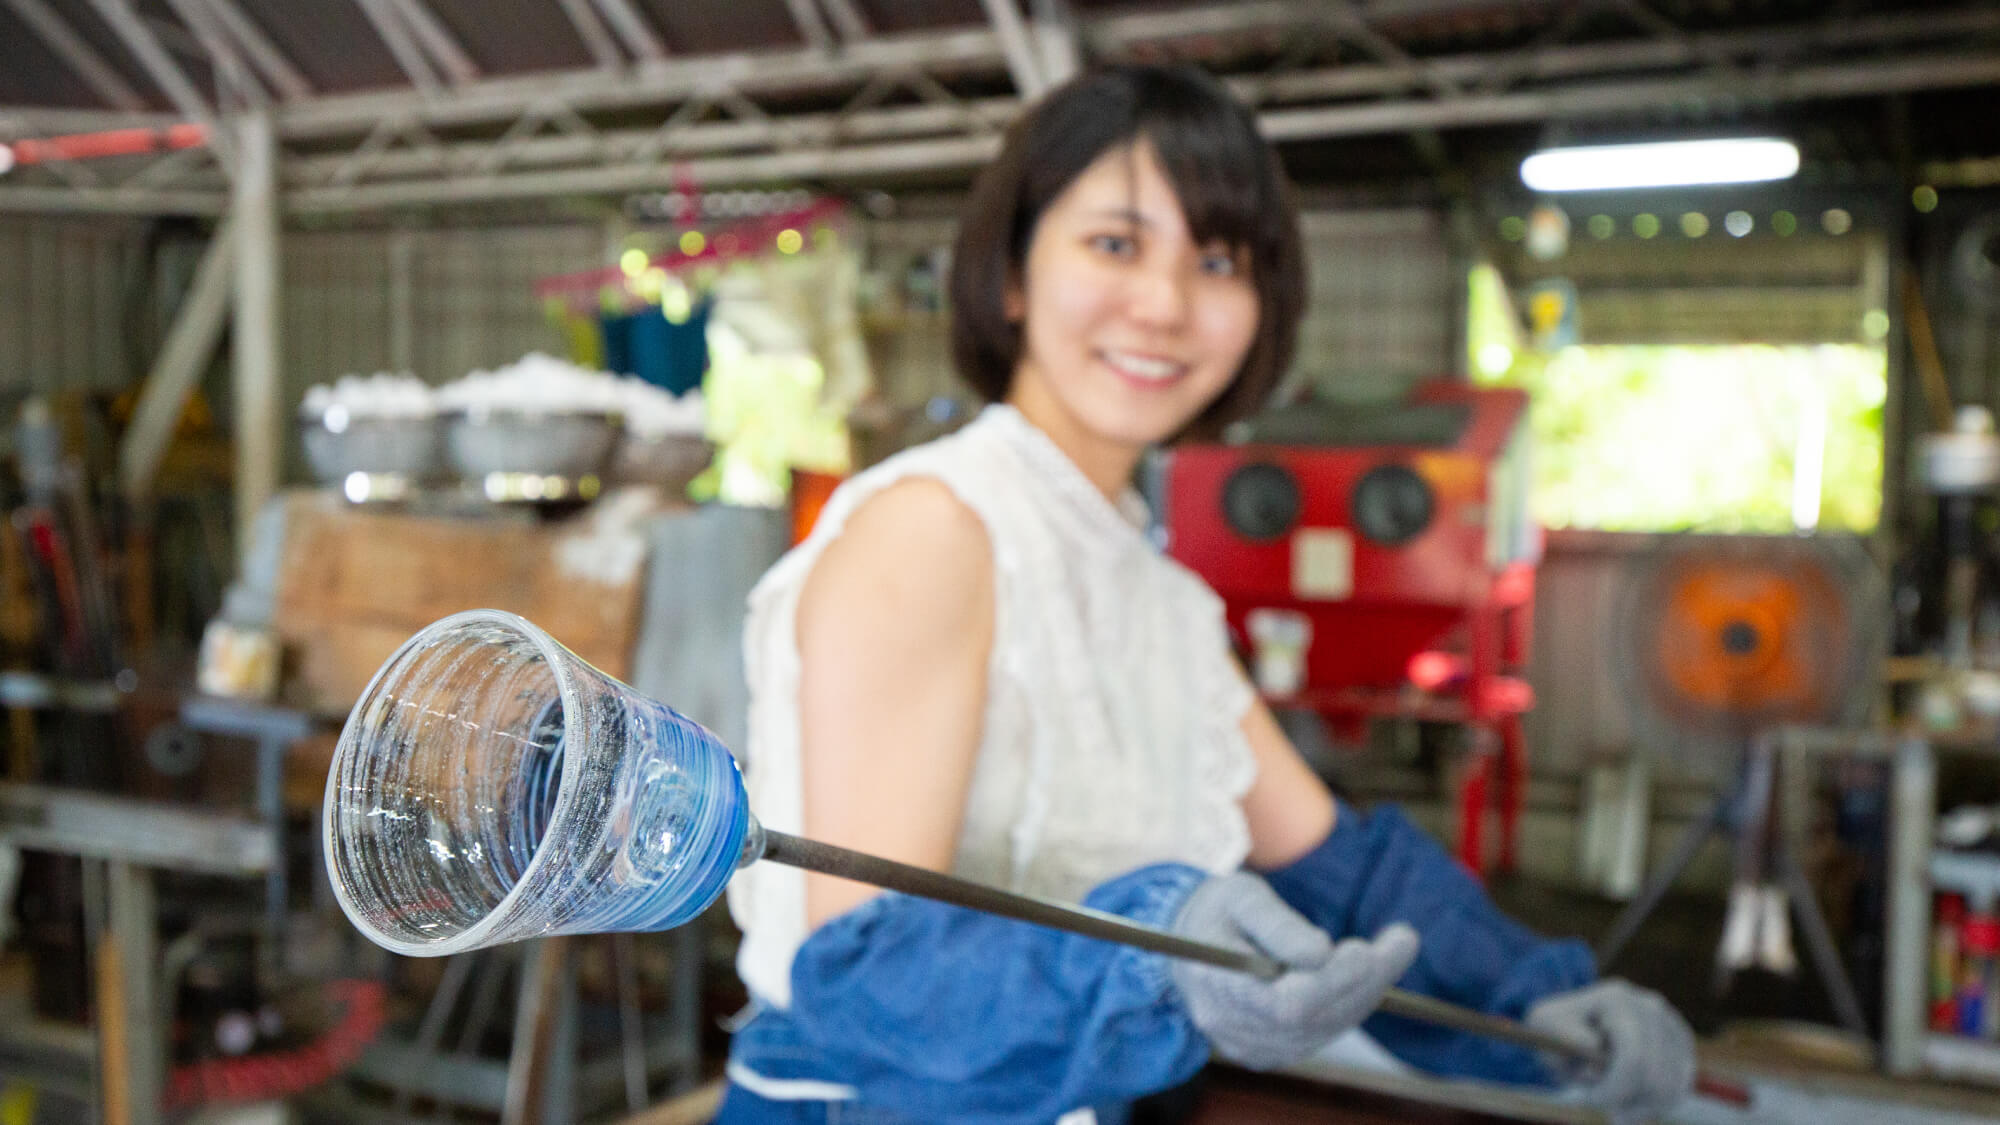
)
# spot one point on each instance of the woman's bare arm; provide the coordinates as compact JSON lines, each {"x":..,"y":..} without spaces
{"x":1288,"y":807}
{"x":895,"y":625}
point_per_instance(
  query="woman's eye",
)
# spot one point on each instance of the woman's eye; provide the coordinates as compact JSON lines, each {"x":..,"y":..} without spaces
{"x":1117,"y":245}
{"x":1220,"y":263}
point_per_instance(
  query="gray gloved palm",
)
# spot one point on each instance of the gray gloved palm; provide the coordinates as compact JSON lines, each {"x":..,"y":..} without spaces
{"x":1649,"y":1049}
{"x":1330,"y":989}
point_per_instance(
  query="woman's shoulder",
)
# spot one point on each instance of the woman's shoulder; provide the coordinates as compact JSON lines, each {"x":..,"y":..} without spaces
{"x":916,"y":521}
{"x":910,"y":578}
{"x":959,"y":484}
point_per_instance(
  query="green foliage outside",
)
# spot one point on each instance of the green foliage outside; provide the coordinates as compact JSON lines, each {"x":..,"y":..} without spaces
{"x":1659,"y":438}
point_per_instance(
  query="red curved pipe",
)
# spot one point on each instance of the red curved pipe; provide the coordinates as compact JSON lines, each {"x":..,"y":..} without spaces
{"x":280,"y":1074}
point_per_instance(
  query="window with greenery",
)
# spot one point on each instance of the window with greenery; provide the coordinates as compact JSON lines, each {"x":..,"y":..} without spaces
{"x":1724,"y":438}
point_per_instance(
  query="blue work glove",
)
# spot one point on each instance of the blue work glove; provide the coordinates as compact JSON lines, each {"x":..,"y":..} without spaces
{"x":1330,"y":989}
{"x":1649,"y":1049}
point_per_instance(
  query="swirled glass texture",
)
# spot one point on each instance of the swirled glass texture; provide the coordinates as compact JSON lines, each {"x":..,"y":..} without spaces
{"x":491,"y":786}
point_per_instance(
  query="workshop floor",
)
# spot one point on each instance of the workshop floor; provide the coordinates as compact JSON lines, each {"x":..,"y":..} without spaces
{"x":1673,"y":953}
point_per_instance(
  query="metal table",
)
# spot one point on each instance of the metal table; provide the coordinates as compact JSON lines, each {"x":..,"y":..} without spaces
{"x":1908,"y":1045}
{"x":123,"y":841}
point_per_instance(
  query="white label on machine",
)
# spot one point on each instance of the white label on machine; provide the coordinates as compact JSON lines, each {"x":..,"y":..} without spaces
{"x":1323,"y":563}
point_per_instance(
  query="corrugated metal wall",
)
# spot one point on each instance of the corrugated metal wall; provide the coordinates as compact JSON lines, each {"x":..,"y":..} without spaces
{"x":1578,"y":718}
{"x":73,"y":313}
{"x":336,"y":296}
{"x":437,"y":302}
{"x":1385,"y":300}
{"x":65,"y":314}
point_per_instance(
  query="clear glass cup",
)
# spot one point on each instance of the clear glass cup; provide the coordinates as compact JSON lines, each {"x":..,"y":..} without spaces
{"x":491,"y":786}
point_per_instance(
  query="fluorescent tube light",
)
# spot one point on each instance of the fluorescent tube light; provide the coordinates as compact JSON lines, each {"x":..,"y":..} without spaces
{"x":1661,"y":164}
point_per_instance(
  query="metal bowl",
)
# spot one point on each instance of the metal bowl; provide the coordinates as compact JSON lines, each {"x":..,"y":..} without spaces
{"x":669,"y":461}
{"x":529,"y":456}
{"x":369,"y":457}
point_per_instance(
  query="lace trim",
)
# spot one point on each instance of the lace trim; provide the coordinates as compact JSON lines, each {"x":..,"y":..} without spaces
{"x":1121,"y":524}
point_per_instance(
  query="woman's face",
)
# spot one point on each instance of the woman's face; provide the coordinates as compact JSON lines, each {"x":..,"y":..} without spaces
{"x":1131,"y":327}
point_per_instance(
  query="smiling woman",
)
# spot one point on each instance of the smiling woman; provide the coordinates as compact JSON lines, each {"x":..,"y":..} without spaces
{"x":978,"y":662}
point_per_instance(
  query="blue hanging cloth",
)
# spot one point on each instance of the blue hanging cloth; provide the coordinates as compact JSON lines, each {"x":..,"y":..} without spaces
{"x":617,"y":329}
{"x":667,"y":355}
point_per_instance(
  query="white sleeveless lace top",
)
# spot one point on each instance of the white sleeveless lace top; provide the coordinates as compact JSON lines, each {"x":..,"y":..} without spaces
{"x":1113,"y":713}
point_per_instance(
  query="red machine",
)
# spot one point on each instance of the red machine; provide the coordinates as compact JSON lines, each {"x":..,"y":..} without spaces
{"x":1393,"y":544}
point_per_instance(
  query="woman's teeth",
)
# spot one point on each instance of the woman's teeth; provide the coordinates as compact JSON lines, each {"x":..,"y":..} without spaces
{"x":1145,"y":367}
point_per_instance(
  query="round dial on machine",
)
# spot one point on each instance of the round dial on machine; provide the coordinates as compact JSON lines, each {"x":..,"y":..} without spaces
{"x":1260,"y":501}
{"x":1393,"y":504}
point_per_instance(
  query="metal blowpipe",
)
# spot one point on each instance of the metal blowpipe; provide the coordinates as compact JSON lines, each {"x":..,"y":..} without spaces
{"x":811,"y":855}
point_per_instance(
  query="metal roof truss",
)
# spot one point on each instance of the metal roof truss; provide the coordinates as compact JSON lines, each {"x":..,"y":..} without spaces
{"x":889,"y":104}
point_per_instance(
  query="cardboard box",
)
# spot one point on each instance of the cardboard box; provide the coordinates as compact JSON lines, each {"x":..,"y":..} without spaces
{"x":354,"y":583}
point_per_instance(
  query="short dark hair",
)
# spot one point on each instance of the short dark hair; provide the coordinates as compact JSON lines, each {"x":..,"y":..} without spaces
{"x":1225,"y":175}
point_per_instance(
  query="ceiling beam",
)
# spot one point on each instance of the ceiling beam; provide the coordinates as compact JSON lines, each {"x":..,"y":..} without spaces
{"x":1826,"y":58}
{"x":97,"y":73}
{"x":1547,"y":63}
{"x":811,"y":23}
{"x":633,"y":30}
{"x":220,"y":52}
{"x":502,"y":99}
{"x":438,"y":40}
{"x":630,"y":145}
{"x":591,"y":30}
{"x":21,"y":198}
{"x":138,"y":38}
{"x":410,"y":58}
{"x":1347,"y":21}
{"x":670,"y":80}
{"x":1646,"y":19}
{"x":819,"y":161}
{"x":43,"y":121}
{"x":1118,"y":31}
{"x":1058,"y":44}
{"x":845,"y":162}
{"x":1012,"y":32}
{"x":1582,"y":101}
{"x":276,"y":67}
{"x":847,"y":20}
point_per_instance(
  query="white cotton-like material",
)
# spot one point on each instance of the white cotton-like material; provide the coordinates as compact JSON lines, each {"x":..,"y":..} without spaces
{"x":1112,"y":737}
{"x":535,"y":383}
{"x":542,"y":384}
{"x":385,"y":394}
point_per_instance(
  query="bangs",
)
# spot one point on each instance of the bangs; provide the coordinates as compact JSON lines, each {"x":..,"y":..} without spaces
{"x":1220,"y":168}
